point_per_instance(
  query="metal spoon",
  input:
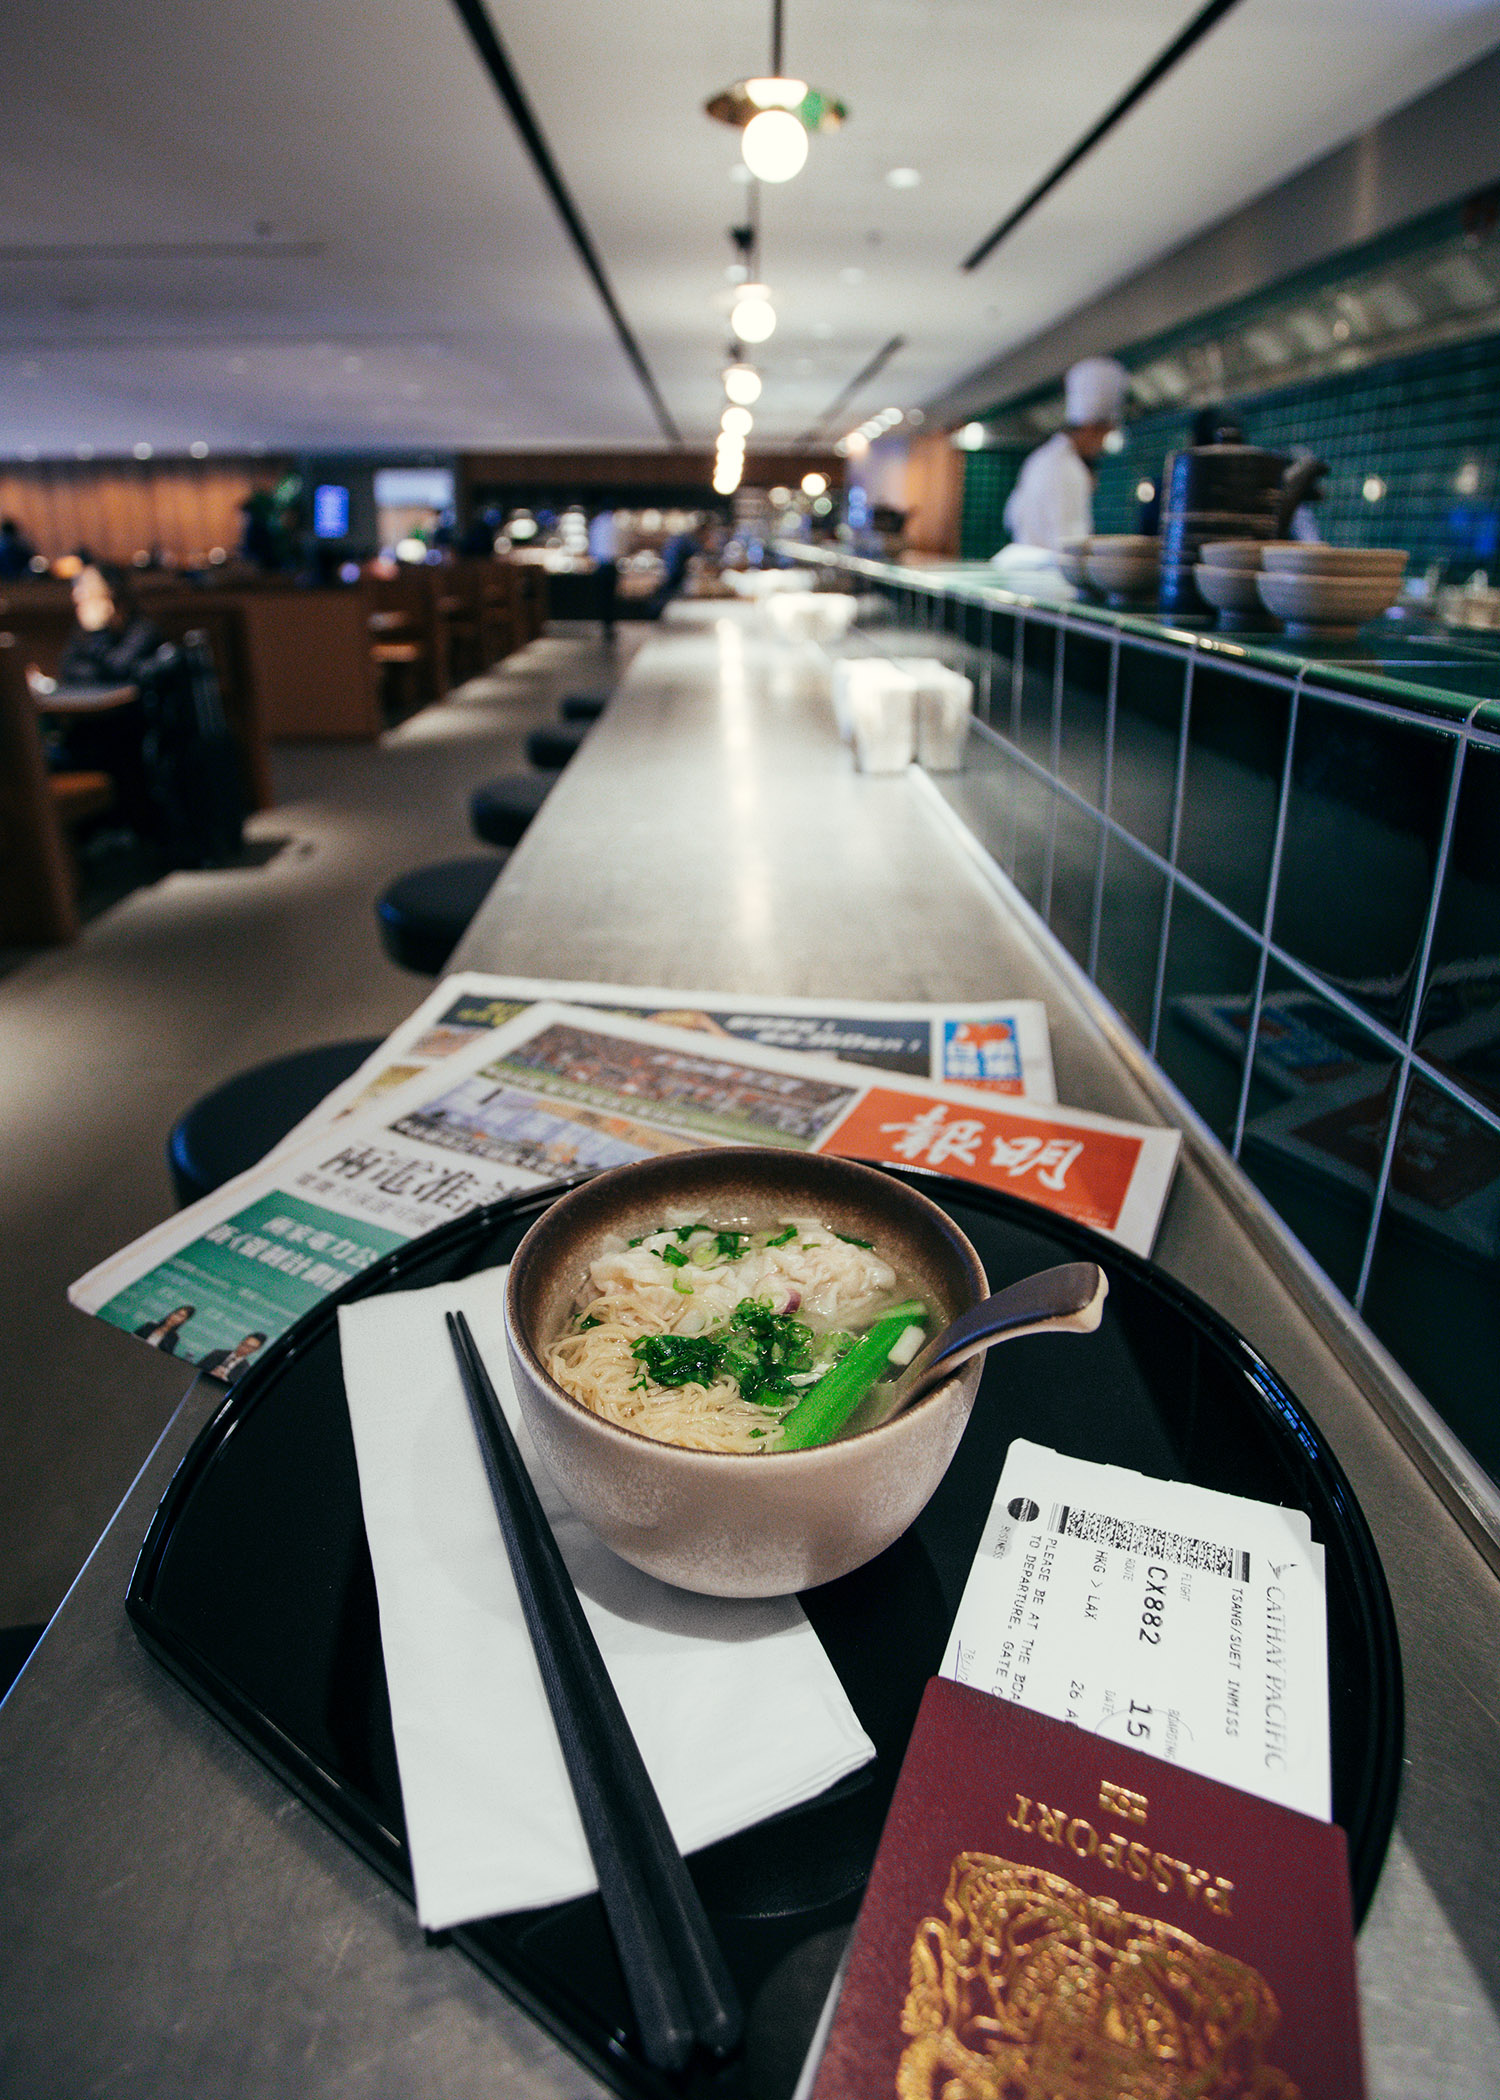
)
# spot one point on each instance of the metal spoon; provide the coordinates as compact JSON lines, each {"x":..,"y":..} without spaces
{"x":1066,"y":1300}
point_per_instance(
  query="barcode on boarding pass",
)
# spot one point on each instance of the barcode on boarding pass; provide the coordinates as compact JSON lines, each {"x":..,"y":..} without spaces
{"x":1150,"y":1541}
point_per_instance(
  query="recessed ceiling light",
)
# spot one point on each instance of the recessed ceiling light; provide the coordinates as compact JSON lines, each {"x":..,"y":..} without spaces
{"x":198,"y":449}
{"x":903,"y":178}
{"x":853,"y":275}
{"x":142,"y":450}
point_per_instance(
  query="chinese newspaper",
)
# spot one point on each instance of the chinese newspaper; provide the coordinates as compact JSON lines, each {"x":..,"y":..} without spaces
{"x":1001,"y":1045}
{"x":561,"y":1089}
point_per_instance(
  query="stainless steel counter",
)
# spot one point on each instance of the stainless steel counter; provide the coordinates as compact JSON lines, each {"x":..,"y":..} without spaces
{"x":175,"y":1923}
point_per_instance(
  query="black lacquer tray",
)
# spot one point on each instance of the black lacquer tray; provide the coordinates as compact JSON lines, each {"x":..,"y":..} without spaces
{"x":254,"y":1587}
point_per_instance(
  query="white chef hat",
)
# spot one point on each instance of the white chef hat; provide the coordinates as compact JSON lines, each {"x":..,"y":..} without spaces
{"x":1096,"y":388}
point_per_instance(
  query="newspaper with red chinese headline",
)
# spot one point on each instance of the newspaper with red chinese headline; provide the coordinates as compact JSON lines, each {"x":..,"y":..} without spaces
{"x":1000,"y":1045}
{"x":561,"y":1089}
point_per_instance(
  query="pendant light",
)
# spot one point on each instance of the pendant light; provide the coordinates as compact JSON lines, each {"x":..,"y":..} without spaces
{"x":774,"y":113}
{"x":753,"y":317}
{"x":742,"y":384}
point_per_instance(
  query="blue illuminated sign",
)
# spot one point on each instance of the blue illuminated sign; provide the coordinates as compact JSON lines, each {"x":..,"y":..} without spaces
{"x":331,"y":512}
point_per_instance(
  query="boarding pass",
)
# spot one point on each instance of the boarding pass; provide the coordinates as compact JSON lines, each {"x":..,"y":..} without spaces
{"x":1188,"y":1624}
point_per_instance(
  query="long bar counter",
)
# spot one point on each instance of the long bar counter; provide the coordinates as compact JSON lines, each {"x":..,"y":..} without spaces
{"x":176,"y":1922}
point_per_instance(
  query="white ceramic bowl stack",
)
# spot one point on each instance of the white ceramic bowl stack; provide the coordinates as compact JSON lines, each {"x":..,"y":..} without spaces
{"x":1328,"y":593}
{"x":1126,"y":566}
{"x":1228,"y":578}
{"x":1072,"y":559}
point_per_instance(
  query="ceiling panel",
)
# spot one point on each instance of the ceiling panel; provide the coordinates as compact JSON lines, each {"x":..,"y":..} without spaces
{"x":401,"y":278}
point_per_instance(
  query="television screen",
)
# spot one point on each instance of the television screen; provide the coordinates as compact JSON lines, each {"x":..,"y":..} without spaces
{"x":331,"y":511}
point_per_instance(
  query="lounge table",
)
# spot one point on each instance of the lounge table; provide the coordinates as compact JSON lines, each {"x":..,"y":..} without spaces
{"x":175,"y":1923}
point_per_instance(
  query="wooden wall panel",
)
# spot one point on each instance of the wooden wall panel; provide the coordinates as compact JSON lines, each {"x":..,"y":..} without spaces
{"x":116,"y":508}
{"x":934,"y":494}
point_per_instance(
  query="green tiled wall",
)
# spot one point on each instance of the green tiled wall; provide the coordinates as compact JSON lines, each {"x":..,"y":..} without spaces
{"x":1426,"y":427}
{"x":989,"y":478}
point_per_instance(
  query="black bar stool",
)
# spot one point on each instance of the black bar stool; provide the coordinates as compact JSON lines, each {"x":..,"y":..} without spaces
{"x":555,"y":745}
{"x":501,"y":810}
{"x":238,"y":1123}
{"x":424,"y":915}
{"x":16,"y":1644}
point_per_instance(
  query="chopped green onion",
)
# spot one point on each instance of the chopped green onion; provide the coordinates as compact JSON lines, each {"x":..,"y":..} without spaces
{"x":822,"y":1413}
{"x":673,"y":1257}
{"x":782,"y":1237}
{"x":850,"y":1241}
{"x":686,"y":1289}
{"x":589,"y":1320}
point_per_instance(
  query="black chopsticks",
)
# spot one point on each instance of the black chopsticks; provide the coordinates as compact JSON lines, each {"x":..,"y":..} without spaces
{"x":680,"y":1989}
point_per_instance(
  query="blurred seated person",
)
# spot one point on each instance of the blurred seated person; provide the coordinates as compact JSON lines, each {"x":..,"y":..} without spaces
{"x":112,"y":641}
{"x":112,"y":644}
{"x":16,"y":551}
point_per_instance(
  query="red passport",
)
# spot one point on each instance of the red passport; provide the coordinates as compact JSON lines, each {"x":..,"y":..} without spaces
{"x":1053,"y":1917}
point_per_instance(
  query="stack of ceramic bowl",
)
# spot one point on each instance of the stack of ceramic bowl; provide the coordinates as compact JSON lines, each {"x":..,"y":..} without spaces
{"x":1126,"y":567}
{"x":1328,"y":593}
{"x":1227,"y":575}
{"x":1071,"y":557}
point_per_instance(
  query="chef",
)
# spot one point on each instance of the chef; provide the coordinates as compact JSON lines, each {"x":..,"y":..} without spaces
{"x":1053,"y":500}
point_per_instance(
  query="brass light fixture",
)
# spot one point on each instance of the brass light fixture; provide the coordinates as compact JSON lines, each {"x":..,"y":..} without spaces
{"x":774,"y":113}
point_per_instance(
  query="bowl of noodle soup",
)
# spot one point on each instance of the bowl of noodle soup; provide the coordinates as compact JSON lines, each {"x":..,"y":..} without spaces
{"x":751,"y":1257}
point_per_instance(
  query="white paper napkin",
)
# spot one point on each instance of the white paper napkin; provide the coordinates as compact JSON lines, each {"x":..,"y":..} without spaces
{"x":736,"y":1707}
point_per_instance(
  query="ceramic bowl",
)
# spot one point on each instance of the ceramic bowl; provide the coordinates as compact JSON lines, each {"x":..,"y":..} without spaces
{"x":1311,"y":558}
{"x":1313,"y":605}
{"x":1232,"y":554}
{"x":1071,"y":559}
{"x":1122,"y":574}
{"x":1125,"y":543}
{"x":737,"y":1524}
{"x":1233,"y":595}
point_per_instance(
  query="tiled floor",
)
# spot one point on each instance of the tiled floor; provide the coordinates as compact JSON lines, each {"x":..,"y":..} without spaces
{"x":102,"y":1046}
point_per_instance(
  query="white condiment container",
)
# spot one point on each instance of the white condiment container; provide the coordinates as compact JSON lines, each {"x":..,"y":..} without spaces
{"x":882,"y":708}
{"x":945,"y":706}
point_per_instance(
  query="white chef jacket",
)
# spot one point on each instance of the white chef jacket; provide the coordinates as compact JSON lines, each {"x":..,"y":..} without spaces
{"x":1053,"y":500}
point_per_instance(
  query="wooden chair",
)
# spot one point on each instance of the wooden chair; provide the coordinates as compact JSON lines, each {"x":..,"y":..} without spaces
{"x":454,"y":608}
{"x":501,"y":611}
{"x":38,"y":890}
{"x":401,"y":640}
{"x":223,"y":627}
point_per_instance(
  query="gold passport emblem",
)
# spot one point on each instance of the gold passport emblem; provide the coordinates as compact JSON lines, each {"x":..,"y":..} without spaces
{"x":1028,"y":1989}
